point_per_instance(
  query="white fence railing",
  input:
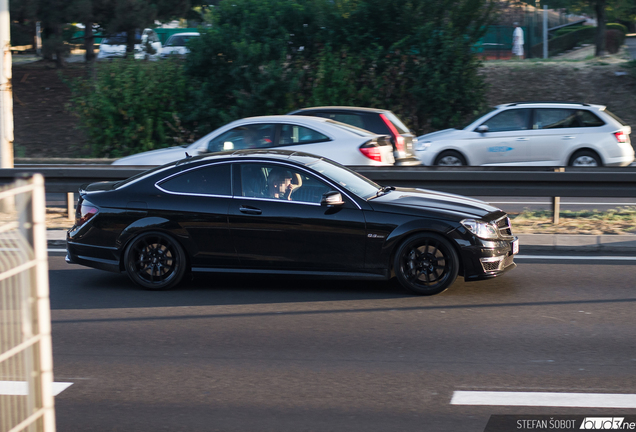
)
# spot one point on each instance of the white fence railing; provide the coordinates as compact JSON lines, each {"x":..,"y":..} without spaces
{"x":26,"y":363}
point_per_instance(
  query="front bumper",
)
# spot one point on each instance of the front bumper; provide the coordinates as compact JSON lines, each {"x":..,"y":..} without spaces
{"x":489,"y":259}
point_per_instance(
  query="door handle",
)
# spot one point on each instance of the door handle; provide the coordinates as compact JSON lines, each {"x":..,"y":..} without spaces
{"x":522,"y":139}
{"x":250,"y":210}
{"x":568,"y":137}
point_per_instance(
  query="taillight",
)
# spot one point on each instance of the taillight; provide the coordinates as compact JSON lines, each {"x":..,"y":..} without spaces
{"x":399,"y":139}
{"x":85,"y":211}
{"x":371,"y":150}
{"x":621,"y":137}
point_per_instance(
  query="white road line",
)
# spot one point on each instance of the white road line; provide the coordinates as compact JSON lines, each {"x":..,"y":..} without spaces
{"x":56,"y":250}
{"x":577,"y":257}
{"x":562,"y":203}
{"x":20,"y":388}
{"x":545,"y":399}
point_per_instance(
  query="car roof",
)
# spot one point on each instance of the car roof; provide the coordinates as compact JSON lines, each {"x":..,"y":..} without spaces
{"x":343,"y":108}
{"x":278,"y":118}
{"x":186,"y":34}
{"x":559,"y":104}
{"x":262,"y":154}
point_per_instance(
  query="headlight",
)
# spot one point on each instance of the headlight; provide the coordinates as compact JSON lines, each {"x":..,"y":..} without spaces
{"x":481,"y":229}
{"x":421,"y":146}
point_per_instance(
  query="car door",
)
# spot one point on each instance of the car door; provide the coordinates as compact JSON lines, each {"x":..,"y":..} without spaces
{"x":505,"y":142}
{"x":199,"y":199}
{"x":275,"y":229}
{"x":556,"y":132}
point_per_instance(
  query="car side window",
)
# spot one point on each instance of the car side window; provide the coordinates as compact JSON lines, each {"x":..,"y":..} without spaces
{"x":509,"y":120}
{"x":244,"y":137}
{"x":208,"y":180}
{"x":589,"y":119}
{"x":279,"y":182}
{"x":294,"y":134}
{"x":555,"y":118}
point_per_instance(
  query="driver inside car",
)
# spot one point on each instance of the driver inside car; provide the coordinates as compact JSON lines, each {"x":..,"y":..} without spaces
{"x":281,"y":184}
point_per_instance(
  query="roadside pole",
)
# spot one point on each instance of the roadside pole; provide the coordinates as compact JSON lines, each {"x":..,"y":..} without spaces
{"x":545,"y":31}
{"x":6,"y":89}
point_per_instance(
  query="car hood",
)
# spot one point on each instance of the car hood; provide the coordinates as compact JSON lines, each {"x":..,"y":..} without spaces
{"x":432,"y":201}
{"x":155,"y":157}
{"x":439,"y":135}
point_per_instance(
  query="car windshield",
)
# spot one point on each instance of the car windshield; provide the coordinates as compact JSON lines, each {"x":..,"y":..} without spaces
{"x":177,"y":40}
{"x":344,"y":177}
{"x":349,"y":128}
{"x":476,"y":115}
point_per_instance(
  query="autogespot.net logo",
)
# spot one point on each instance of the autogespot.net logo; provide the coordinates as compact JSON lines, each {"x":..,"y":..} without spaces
{"x":607,"y":423}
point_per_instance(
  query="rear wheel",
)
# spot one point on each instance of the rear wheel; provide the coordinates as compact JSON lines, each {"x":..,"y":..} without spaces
{"x":585,"y":158}
{"x":155,"y":261}
{"x":426,"y":264}
{"x":450,"y":158}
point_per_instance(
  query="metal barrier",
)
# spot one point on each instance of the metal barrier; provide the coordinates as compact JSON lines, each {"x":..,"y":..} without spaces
{"x":26,"y":359}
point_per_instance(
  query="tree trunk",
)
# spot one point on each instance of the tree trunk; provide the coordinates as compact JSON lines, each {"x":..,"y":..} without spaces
{"x":130,"y":42}
{"x":599,"y":8}
{"x":89,"y":39}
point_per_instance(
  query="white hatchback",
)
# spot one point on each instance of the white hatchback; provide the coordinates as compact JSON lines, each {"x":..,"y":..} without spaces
{"x":176,"y":44}
{"x":533,"y":133}
{"x":345,"y":144}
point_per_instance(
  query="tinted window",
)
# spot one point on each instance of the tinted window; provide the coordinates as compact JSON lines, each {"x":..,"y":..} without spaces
{"x":509,"y":120}
{"x":589,"y":119}
{"x":244,"y":137}
{"x":351,"y":119}
{"x":209,"y":180}
{"x":554,"y":118}
{"x":178,"y":40}
{"x":349,"y":128}
{"x":260,"y":180}
{"x":350,"y":180}
{"x":293,"y":134}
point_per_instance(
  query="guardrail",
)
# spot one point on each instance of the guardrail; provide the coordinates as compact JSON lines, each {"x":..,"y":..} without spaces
{"x":472,"y":181}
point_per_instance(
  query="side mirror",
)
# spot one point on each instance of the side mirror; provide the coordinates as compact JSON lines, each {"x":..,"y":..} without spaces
{"x":482,"y":128}
{"x":331,"y":199}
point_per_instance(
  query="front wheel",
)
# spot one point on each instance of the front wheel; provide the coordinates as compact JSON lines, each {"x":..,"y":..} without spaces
{"x":426,"y":264}
{"x":155,"y":261}
{"x":450,"y":158}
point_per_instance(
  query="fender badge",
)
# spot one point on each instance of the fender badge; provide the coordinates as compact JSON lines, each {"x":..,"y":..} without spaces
{"x":376,"y":236}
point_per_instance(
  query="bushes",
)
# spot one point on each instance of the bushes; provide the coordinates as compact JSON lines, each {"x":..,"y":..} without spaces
{"x":263,"y":57}
{"x":613,"y":40}
{"x":132,"y":106}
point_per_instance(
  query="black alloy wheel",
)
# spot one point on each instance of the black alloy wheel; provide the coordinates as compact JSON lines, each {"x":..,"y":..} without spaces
{"x":426,"y":264}
{"x":155,"y":261}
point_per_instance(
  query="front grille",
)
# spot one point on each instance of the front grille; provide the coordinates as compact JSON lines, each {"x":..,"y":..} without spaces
{"x":508,"y":260}
{"x":490,"y":266}
{"x":504,"y":227}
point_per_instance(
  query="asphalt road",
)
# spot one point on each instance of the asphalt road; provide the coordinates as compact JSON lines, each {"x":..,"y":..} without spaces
{"x":285,"y":354}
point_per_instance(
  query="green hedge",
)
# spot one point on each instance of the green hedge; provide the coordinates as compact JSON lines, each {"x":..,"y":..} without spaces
{"x":132,"y":106}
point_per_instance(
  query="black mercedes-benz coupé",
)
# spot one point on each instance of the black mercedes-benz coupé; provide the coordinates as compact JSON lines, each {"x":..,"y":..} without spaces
{"x":283,"y":212}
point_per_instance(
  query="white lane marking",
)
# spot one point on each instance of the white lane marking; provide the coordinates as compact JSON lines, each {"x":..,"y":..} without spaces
{"x":21,"y":388}
{"x":562,"y":203}
{"x":544,"y":399}
{"x":577,"y":257}
{"x":56,"y":250}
